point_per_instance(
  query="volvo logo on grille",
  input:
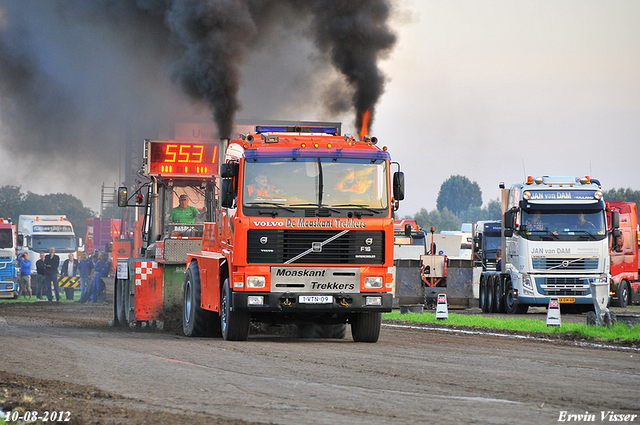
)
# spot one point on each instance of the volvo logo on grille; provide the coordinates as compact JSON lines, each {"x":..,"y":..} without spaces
{"x":368,"y":241}
{"x":316,"y":246}
{"x":264,"y":240}
{"x":565,"y":264}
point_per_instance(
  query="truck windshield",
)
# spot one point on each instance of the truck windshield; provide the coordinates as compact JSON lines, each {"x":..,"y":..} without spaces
{"x":62,"y":244}
{"x":492,"y":243}
{"x":317,"y":183}
{"x":566,"y":225}
{"x":6,"y":239}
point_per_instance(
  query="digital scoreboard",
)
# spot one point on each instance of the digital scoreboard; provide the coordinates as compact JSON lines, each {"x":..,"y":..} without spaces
{"x":181,"y":158}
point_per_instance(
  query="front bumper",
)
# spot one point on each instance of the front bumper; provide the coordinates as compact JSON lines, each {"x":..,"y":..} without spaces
{"x":287,"y":302}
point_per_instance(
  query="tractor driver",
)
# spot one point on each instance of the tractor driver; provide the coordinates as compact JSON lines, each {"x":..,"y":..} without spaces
{"x":184,"y":213}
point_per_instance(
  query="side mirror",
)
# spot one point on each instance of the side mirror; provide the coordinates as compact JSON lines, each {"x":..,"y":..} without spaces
{"x":229,"y":170}
{"x":477,"y":242}
{"x":398,"y":185}
{"x":122,"y":196}
{"x":20,"y":240}
{"x":227,"y":193}
{"x":407,"y":230}
{"x":508,"y":233}
{"x":615,"y":219}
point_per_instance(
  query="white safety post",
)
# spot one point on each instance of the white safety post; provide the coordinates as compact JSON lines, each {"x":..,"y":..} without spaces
{"x":553,"y":312}
{"x":441,"y":308}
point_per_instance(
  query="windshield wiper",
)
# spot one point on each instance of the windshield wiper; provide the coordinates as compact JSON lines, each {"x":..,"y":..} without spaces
{"x":361,"y":206}
{"x":546,"y":232}
{"x":270,"y":204}
{"x":585,"y":232}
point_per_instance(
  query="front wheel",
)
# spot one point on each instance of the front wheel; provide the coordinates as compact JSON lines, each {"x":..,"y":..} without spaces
{"x":623,"y":294}
{"x":509,"y":298}
{"x":196,"y":321}
{"x":365,"y":327}
{"x":235,"y":323}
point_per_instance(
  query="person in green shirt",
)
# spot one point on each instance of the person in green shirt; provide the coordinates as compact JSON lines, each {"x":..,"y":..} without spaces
{"x":184,"y":213}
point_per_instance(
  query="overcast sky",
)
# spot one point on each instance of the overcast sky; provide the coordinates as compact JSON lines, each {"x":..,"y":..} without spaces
{"x":492,"y":90}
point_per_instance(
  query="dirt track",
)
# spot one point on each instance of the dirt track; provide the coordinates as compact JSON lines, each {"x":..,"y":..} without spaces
{"x":65,"y":357}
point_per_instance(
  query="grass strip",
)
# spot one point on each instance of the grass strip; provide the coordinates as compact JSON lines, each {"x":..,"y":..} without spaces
{"x":618,"y":332}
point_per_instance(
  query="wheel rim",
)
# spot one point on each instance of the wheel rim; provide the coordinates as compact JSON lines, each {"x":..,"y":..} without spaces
{"x":223,"y":311}
{"x":187,"y":302}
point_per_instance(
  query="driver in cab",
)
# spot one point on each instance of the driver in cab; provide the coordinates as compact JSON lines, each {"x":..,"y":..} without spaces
{"x":262,"y":188}
{"x":184,"y":213}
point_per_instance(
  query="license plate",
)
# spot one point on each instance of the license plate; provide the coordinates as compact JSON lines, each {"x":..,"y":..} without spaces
{"x":315,"y":299}
{"x":566,"y":300}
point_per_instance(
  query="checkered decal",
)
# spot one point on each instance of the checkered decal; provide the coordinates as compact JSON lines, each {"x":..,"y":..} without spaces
{"x":144,"y":270}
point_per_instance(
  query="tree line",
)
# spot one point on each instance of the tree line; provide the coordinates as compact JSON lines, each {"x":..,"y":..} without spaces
{"x":460,"y":201}
{"x":13,"y":203}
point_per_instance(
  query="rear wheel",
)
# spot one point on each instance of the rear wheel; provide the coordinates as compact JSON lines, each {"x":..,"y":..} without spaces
{"x":509,"y":298}
{"x":196,"y":321}
{"x":235,"y":323}
{"x":482,"y":301}
{"x":490,"y":295}
{"x":623,"y":294}
{"x":365,"y":327}
{"x":497,"y":294}
{"x":120,"y":305}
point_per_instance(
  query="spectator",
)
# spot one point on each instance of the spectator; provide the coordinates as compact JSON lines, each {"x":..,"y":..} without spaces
{"x":40,"y":268}
{"x":86,"y":268}
{"x":499,"y":261}
{"x":101,"y":269}
{"x":69,"y":269}
{"x":25,"y":274}
{"x":51,"y":264}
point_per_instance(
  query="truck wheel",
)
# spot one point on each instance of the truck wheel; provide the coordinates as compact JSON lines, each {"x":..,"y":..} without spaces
{"x":127,"y":302}
{"x":365,"y":327}
{"x":196,"y":321}
{"x":235,"y":323}
{"x":482,"y":300}
{"x":497,"y":294}
{"x":509,"y":299}
{"x":490,"y":294}
{"x":623,"y":294}
{"x":120,"y":302}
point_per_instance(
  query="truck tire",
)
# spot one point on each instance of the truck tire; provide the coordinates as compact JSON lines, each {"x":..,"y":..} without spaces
{"x":490,"y":294}
{"x":498,"y":301}
{"x":235,"y":323}
{"x":482,"y":298}
{"x":365,"y":327}
{"x":196,"y":321}
{"x":592,"y":319}
{"x":509,"y":299}
{"x":120,"y":304}
{"x":623,"y":294}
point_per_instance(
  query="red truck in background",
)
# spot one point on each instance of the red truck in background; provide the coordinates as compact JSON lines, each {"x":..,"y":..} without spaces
{"x":625,"y":286}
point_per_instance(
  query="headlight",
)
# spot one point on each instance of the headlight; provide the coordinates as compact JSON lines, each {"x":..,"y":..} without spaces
{"x":255,"y":300}
{"x":373,"y":301}
{"x":601,"y":279}
{"x":256,"y":282}
{"x":526,"y":194}
{"x":527,"y":285}
{"x":373,"y":282}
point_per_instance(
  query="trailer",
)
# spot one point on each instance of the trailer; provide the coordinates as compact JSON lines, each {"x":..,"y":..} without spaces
{"x":624,"y":283}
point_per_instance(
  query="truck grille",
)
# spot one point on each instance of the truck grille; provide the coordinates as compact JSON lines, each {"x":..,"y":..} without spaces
{"x":565,"y":263}
{"x":315,"y":246}
{"x":562,"y":286}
